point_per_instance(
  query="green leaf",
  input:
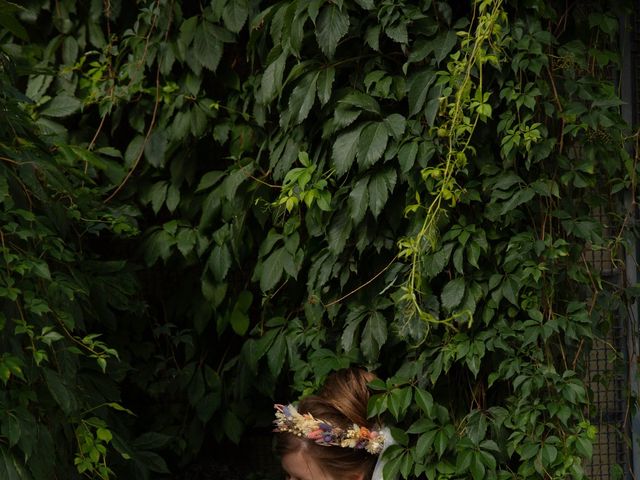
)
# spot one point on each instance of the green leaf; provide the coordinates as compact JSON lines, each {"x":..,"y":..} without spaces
{"x":104,"y":434}
{"x":438,"y":260}
{"x":173,"y":197}
{"x":134,"y":150}
{"x":372,"y":144}
{"x":406,"y":464}
{"x":152,"y":461}
{"x":41,"y":269}
{"x":119,"y":408}
{"x":233,"y":426}
{"x":219,"y":262}
{"x":158,"y":245}
{"x":60,"y":391}
{"x":458,"y":259}
{"x":187,"y":30}
{"x":344,"y":116}
{"x":380,"y":185}
{"x":396,"y":125}
{"x":345,"y":149}
{"x":303,"y":97}
{"x":272,"y":269}
{"x":399,"y":401}
{"x":506,"y":180}
{"x":352,"y":322}
{"x":432,"y":108}
{"x":235,"y":14}
{"x":272,"y":238}
{"x":208,"y":405}
{"x":549,"y":454}
{"x":9,"y":21}
{"x":424,"y":400}
{"x":440,"y":441}
{"x":473,"y":253}
{"x":234,"y":179}
{"x":61,"y":106}
{"x":8,"y":465}
{"x":407,"y":156}
{"x":239,"y":321}
{"x":157,"y":195}
{"x":271,"y":81}
{"x":477,"y":467}
{"x":156,"y":148}
{"x":276,"y":355}
{"x":444,"y":44}
{"x":11,"y":428}
{"x":332,"y":25}
{"x":372,"y":37}
{"x":425,"y":442}
{"x":520,"y":197}
{"x":359,"y":200}
{"x":421,"y":425}
{"x":374,"y":336}
{"x":398,"y":33}
{"x":5,"y":373}
{"x":452,"y":293}
{"x":392,"y":466}
{"x":69,"y":50}
{"x":528,"y":450}
{"x":510,"y":288}
{"x":209,"y":179}
{"x":196,"y":388}
{"x":151,"y":441}
{"x":419,"y":85}
{"x":361,"y":101}
{"x":325,"y":84}
{"x":207,"y":48}
{"x":339,"y":231}
{"x":366,"y":4}
{"x":186,"y":240}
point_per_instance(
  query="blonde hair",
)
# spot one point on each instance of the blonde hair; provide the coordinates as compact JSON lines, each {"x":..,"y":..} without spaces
{"x":342,"y":401}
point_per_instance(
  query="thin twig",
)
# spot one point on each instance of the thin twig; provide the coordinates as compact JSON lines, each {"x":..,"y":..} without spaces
{"x":327,"y":305}
{"x":248,"y":175}
{"x":146,"y":140}
{"x":556,"y":97}
{"x":9,"y":160}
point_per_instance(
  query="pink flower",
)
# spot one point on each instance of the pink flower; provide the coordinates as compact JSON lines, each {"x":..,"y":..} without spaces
{"x":316,"y":434}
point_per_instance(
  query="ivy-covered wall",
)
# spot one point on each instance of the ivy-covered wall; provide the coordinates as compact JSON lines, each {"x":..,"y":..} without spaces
{"x":208,"y":206}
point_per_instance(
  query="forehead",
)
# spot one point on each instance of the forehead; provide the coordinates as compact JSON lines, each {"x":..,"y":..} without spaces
{"x":301,"y":466}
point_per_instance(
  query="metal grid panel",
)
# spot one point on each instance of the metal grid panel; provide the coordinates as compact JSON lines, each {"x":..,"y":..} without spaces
{"x":608,"y":385}
{"x":607,"y":378}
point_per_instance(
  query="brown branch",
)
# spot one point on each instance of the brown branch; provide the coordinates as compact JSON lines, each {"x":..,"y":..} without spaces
{"x":556,"y":97}
{"x":330,"y":304}
{"x":146,"y":140}
{"x":9,"y":160}
{"x":248,"y":175}
{"x":94,"y":139}
{"x":155,"y":106}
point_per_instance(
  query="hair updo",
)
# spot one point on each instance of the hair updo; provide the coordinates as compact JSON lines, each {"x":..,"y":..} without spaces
{"x":342,"y":401}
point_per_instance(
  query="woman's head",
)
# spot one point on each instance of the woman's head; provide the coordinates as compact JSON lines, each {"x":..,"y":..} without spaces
{"x":342,"y":402}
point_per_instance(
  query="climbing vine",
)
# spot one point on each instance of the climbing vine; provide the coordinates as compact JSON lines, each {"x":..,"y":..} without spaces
{"x":462,"y":104}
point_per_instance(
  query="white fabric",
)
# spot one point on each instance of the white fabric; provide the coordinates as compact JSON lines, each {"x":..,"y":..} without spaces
{"x":388,"y":441}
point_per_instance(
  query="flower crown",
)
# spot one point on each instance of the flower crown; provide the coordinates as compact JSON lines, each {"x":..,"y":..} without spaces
{"x":288,"y":419}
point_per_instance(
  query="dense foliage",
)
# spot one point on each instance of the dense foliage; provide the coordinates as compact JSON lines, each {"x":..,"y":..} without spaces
{"x":209,"y":205}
